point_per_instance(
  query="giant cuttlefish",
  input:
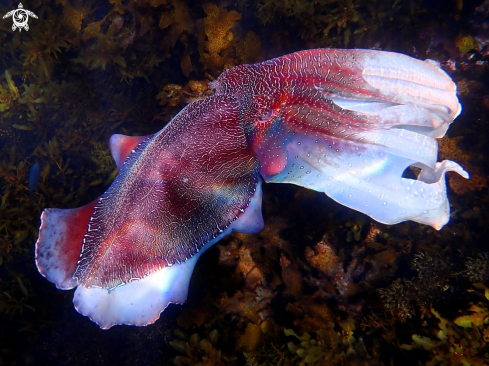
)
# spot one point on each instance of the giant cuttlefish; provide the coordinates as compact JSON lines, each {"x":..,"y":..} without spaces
{"x":344,"y":122}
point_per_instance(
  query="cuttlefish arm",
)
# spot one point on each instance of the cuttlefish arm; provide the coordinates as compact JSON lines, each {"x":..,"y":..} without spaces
{"x":349,"y":123}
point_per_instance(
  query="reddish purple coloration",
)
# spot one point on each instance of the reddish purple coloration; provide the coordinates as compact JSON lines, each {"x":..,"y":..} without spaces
{"x":343,"y":122}
{"x":297,"y":92}
{"x":204,"y":187}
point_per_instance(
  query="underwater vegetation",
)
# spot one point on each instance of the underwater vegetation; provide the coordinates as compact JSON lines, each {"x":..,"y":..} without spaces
{"x":321,"y":284}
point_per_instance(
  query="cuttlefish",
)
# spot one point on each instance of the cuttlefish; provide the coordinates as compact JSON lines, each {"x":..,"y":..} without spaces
{"x":344,"y":122}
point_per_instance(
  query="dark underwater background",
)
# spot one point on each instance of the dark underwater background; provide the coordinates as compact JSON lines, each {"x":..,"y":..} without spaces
{"x":321,"y":284}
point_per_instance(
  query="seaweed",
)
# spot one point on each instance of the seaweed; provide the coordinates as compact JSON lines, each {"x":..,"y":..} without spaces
{"x":199,"y":350}
{"x":477,"y":268}
{"x":329,"y":346}
{"x":462,"y":341}
{"x":215,"y":51}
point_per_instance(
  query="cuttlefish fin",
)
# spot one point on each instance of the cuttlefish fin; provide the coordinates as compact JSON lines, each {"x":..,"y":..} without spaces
{"x":60,"y":242}
{"x":121,"y":146}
